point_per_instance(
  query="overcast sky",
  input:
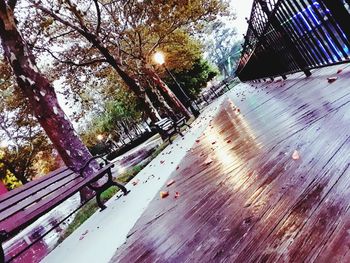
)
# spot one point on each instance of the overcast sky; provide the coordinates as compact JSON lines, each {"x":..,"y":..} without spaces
{"x":242,"y":9}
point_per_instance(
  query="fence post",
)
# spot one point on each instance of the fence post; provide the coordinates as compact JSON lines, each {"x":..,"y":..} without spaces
{"x":299,"y":59}
{"x":340,"y":14}
{"x":263,"y":41}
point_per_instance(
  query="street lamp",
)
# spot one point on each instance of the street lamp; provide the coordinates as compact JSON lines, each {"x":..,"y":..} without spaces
{"x":160,"y":59}
{"x":99,"y":137}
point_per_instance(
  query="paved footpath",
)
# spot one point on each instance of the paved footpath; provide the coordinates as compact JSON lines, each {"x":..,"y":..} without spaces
{"x":99,"y":237}
{"x":268,"y":180}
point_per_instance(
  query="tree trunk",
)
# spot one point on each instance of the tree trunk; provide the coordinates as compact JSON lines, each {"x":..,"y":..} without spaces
{"x":158,"y":99}
{"x":142,"y":97}
{"x":40,"y":95}
{"x":170,"y":97}
{"x":131,"y":82}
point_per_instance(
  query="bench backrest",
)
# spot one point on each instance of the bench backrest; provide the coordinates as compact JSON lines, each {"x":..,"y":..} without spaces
{"x":21,"y":200}
{"x":165,"y":124}
{"x":20,"y":207}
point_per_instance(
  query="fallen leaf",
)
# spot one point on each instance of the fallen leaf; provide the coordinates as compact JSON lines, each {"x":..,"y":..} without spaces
{"x":208,"y":161}
{"x":229,"y":141}
{"x":213,"y":142}
{"x":332,"y":79}
{"x":339,"y":71}
{"x":164,"y":194}
{"x":177,"y":195}
{"x":197,"y":141}
{"x":170,"y":183}
{"x":135,"y":182}
{"x":178,"y":167}
{"x":295,"y":155}
{"x":161,"y":162}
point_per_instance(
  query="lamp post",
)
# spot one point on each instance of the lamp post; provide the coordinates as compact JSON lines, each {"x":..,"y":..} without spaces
{"x":159,"y":59}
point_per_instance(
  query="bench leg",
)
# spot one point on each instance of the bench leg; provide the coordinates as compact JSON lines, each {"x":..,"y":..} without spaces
{"x":180,"y":133}
{"x":2,"y":254}
{"x":99,"y":202}
{"x":170,"y":141}
{"x":122,"y":187}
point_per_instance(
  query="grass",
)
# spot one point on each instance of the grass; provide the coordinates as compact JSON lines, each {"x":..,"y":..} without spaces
{"x":91,"y":206}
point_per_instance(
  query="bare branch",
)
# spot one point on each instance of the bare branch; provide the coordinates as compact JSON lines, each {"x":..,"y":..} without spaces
{"x":98,"y":11}
{"x":12,"y":4}
{"x":58,"y":18}
{"x":70,"y":62}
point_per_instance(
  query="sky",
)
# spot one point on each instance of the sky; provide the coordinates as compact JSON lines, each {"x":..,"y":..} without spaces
{"x":242,"y":9}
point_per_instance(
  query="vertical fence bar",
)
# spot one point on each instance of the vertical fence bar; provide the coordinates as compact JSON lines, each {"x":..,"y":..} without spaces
{"x":285,"y":36}
{"x":302,"y":46}
{"x":301,"y":31}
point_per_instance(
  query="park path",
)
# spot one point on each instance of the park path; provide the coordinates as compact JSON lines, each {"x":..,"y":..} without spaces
{"x":98,"y":238}
{"x":268,"y":180}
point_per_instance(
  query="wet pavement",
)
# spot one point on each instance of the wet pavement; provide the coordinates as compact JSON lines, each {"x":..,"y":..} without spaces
{"x":97,"y":239}
{"x":268,"y":180}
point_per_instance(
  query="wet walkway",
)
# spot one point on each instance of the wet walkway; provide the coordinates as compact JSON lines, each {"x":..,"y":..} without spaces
{"x":267,"y":181}
{"x":97,"y":239}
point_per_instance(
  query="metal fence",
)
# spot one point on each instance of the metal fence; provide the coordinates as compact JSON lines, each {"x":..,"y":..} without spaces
{"x":287,"y":36}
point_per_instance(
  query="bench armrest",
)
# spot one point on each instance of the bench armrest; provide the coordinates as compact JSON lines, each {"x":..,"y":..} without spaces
{"x":86,"y":165}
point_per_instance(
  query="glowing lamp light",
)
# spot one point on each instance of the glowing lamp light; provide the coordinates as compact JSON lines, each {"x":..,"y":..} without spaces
{"x":159,"y":58}
{"x":99,"y":137}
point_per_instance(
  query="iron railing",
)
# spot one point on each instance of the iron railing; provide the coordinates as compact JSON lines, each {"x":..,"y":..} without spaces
{"x":287,"y":36}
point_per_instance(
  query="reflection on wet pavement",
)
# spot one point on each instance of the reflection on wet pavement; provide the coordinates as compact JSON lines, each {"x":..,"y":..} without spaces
{"x":243,"y":197}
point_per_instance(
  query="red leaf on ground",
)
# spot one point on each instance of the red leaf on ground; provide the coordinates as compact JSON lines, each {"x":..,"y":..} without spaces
{"x":164,"y":194}
{"x":170,"y":183}
{"x":208,"y":161}
{"x":295,"y":155}
{"x":161,"y":162}
{"x":135,"y":182}
{"x":332,"y":79}
{"x":238,"y":110}
{"x":213,"y":142}
{"x":177,"y":195}
{"x":229,"y":141}
{"x":339,"y":71}
{"x":197,"y":141}
{"x":178,"y":167}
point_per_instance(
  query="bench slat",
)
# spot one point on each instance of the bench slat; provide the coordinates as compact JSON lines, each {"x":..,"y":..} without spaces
{"x":12,"y":225}
{"x":23,"y":218}
{"x":13,"y":200}
{"x":27,"y":186}
{"x":35,"y":197}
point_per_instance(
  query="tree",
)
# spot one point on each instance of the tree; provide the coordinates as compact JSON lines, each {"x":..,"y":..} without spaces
{"x":21,"y":131}
{"x":93,"y":25}
{"x":222,"y":48}
{"x":39,"y":92}
{"x":132,"y":23}
{"x":193,"y":79}
{"x":119,"y":117}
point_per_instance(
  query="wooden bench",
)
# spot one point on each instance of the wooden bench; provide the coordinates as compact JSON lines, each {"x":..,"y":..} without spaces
{"x":22,"y":206}
{"x":168,"y":127}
